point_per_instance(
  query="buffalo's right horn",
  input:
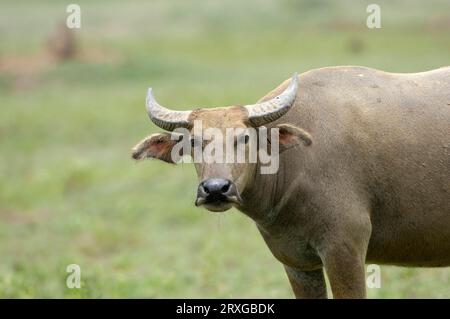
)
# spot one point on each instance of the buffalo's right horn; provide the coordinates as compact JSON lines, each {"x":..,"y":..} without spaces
{"x":163,"y":117}
{"x":269,"y":111}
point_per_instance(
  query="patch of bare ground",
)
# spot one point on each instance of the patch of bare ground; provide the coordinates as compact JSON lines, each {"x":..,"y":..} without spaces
{"x":438,"y":23}
{"x":61,"y":46}
{"x":26,"y":218}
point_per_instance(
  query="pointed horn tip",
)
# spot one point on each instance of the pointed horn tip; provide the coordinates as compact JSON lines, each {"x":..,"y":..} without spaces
{"x":149,"y":101}
{"x":149,"y":98}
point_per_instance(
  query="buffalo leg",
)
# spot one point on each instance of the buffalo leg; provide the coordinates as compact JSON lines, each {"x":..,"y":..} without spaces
{"x":307,"y":284}
{"x":345,"y":270}
{"x":342,"y":246}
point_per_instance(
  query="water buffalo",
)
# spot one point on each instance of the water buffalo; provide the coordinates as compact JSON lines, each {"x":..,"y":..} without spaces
{"x":364,"y":172}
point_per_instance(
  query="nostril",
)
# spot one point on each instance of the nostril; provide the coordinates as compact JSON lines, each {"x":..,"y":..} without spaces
{"x":204,"y":188}
{"x":225,"y":187}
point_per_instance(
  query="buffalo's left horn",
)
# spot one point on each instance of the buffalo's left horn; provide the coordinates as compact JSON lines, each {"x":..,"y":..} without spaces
{"x":268,"y":111}
{"x":163,"y":117}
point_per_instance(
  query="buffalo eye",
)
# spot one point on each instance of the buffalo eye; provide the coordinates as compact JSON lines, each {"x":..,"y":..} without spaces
{"x":243,"y":139}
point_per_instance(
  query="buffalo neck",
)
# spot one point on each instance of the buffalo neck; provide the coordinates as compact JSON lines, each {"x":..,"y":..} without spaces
{"x":261,"y":196}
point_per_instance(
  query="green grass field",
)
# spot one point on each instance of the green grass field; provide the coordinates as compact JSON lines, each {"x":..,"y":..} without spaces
{"x":69,"y":192}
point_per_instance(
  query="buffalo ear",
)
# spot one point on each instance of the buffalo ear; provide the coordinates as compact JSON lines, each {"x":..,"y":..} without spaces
{"x":157,"y":146}
{"x":290,"y":136}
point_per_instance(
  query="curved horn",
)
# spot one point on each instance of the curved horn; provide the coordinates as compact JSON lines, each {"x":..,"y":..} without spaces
{"x":165,"y":118}
{"x":269,"y":111}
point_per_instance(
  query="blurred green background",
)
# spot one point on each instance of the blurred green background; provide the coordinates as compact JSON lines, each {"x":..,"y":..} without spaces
{"x":69,"y":192}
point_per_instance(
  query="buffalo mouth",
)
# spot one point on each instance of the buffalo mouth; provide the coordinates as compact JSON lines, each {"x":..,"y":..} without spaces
{"x":217,"y":204}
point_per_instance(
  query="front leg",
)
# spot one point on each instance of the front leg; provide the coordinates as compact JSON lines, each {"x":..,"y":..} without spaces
{"x":345,"y":270}
{"x":342,"y":246}
{"x":307,"y":284}
{"x":343,"y":253}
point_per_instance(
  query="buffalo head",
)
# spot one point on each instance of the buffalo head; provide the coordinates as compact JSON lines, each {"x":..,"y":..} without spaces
{"x":221,"y":183}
